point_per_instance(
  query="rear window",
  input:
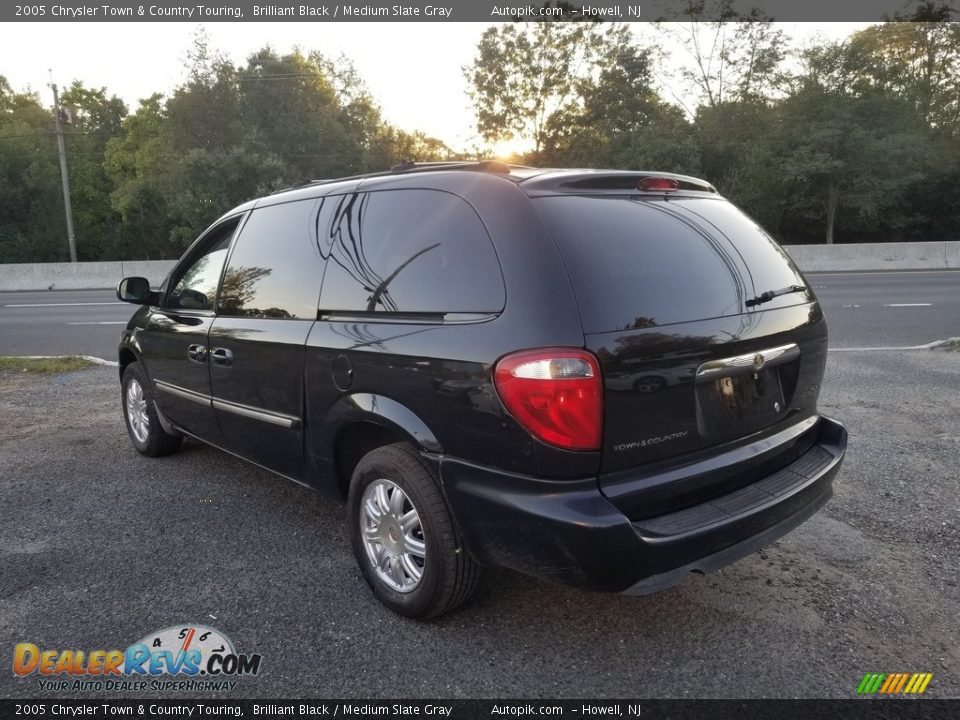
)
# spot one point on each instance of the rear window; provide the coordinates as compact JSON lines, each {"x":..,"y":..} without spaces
{"x":638,"y":263}
{"x":769,"y":265}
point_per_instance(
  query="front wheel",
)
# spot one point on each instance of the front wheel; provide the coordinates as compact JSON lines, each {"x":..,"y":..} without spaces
{"x":404,"y":537}
{"x":143,"y":425}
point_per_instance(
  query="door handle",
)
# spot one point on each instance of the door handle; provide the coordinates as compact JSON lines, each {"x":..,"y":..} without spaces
{"x":222,"y":356}
{"x":197,"y":353}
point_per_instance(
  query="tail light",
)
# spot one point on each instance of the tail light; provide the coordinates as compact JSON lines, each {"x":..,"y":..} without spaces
{"x":657,"y":183}
{"x":556,"y":394}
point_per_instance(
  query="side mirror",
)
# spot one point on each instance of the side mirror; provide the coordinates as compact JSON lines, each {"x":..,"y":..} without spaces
{"x":134,"y":290}
{"x":192,"y":299}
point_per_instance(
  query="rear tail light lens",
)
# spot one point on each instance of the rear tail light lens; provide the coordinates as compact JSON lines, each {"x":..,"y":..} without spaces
{"x":556,"y":394}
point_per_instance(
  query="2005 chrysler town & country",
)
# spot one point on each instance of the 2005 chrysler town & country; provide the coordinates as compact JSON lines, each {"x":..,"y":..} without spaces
{"x":608,"y":379}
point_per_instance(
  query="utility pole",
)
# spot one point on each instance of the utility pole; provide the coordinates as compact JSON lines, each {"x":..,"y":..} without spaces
{"x":71,"y":240}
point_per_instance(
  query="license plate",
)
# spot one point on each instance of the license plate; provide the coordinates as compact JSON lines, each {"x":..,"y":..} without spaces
{"x":741,"y":403}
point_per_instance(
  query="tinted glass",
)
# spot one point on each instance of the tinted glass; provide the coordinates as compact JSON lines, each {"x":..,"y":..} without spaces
{"x":275,"y":269}
{"x":634,"y":263}
{"x":196,"y":288}
{"x":769,"y":267}
{"x":408,"y":251}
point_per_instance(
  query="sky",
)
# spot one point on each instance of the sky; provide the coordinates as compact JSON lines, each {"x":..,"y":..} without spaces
{"x":412,"y":69}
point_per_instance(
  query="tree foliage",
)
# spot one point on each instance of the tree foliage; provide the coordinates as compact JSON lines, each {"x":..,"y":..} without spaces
{"x":732,"y":57}
{"x":31,"y":209}
{"x":833,"y":152}
{"x":144,"y":184}
{"x":858,"y":141}
{"x":527,"y":79}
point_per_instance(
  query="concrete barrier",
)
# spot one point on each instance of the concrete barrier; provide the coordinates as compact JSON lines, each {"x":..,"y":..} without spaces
{"x":79,"y":276}
{"x":876,"y":256}
{"x":810,"y":258}
{"x":953,"y":254}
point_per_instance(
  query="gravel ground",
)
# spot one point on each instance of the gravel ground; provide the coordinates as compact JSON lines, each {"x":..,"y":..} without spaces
{"x":100,"y":546}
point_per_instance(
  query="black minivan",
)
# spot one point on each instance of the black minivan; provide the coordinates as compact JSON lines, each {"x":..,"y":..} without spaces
{"x":608,"y":379}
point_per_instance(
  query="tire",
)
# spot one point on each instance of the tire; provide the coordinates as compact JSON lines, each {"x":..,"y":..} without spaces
{"x":140,"y":414}
{"x":428,"y":542}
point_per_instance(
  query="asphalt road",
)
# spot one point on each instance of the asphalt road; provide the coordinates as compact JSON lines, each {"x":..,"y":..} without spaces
{"x":891,"y":309}
{"x":62,"y":322}
{"x":894,"y":309}
{"x":100,"y":546}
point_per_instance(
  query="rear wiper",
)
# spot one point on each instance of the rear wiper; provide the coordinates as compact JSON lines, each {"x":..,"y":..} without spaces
{"x":771,"y":294}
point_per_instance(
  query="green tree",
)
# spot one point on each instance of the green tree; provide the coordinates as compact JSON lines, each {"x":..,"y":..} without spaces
{"x":97,"y":118}
{"x":32,"y":226}
{"x":737,"y":155}
{"x":526,"y":80}
{"x":623,"y":122}
{"x":289,"y":107}
{"x":139,"y":163}
{"x":850,"y":159}
{"x":381,"y":144}
{"x":916,"y":58}
{"x":732,"y":57}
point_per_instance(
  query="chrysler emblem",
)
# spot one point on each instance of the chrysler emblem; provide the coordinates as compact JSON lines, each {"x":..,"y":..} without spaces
{"x":758,"y":361}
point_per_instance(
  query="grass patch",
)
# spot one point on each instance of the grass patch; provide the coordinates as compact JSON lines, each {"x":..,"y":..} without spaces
{"x":44,"y":366}
{"x":951,"y":345}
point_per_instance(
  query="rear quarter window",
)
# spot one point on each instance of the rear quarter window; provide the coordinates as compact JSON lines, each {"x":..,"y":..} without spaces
{"x":407,"y":252}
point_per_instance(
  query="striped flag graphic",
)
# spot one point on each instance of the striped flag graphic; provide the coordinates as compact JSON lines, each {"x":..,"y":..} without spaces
{"x":894,"y":683}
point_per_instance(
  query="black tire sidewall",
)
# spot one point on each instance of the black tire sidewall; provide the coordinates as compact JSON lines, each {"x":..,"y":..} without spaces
{"x":420,"y":600}
{"x":130,"y":373}
{"x":157,"y":441}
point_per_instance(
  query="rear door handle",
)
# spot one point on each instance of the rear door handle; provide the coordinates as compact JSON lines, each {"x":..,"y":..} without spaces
{"x":197,"y":353}
{"x":221,"y":356}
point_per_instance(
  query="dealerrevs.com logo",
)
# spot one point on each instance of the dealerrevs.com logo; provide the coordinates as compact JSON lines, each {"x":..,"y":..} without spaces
{"x":187,"y":658}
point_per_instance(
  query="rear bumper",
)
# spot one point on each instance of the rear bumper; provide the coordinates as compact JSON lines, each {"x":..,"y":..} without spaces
{"x":569,"y":532}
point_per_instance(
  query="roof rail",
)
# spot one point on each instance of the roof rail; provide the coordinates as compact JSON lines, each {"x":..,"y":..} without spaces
{"x":492,"y":166}
{"x":408,"y":166}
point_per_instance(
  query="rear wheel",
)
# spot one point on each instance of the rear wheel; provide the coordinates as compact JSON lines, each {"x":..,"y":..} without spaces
{"x":404,"y":537}
{"x":649,"y":383}
{"x":143,"y":425}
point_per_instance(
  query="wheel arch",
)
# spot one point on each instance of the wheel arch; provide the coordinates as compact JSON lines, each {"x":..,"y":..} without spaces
{"x":129,"y":350}
{"x":362,"y":422}
{"x":126,"y":356}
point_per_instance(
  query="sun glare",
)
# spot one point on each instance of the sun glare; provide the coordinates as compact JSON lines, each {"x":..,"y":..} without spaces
{"x":509,"y":149}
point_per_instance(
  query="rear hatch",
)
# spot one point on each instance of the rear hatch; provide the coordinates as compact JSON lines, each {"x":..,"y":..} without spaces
{"x":708,"y":339}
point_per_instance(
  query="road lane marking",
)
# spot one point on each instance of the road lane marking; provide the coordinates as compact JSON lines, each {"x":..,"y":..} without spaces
{"x":829,"y":273}
{"x":908,"y":304}
{"x":102,"y":322}
{"x":62,"y":304}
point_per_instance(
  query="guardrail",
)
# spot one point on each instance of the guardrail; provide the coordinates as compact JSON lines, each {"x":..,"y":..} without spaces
{"x":810,"y":258}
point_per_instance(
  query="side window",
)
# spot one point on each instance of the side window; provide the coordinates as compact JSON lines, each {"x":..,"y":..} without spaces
{"x":274,"y":270}
{"x":407,"y":251}
{"x":196,"y":286}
